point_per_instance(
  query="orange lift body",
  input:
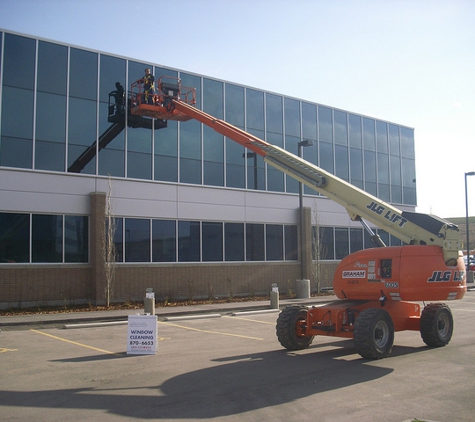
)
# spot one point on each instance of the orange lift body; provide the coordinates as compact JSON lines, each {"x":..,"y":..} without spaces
{"x":379,"y":289}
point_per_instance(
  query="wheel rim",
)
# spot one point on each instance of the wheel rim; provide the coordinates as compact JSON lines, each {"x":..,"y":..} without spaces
{"x":443,"y":325}
{"x":381,"y":334}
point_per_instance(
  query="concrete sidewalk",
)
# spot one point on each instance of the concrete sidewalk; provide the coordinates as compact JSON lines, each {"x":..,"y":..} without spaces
{"x":161,"y":312}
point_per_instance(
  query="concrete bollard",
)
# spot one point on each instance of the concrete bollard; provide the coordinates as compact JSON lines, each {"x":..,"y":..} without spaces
{"x":470,"y":277}
{"x":274,"y":297}
{"x":149,"y":302}
{"x":303,"y":289}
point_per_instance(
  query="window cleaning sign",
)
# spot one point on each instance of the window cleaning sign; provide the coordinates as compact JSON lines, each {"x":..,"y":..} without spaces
{"x":142,"y":335}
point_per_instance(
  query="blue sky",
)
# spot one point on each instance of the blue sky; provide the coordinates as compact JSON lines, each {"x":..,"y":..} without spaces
{"x":410,"y":62}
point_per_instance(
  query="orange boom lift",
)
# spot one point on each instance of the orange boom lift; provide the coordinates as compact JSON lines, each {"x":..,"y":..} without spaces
{"x":378,"y":288}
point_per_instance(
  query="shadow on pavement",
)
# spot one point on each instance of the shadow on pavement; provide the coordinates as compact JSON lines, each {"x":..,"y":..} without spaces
{"x":228,"y":387}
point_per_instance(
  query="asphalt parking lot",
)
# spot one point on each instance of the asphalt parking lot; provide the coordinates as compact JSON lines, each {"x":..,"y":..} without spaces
{"x":232,"y":368}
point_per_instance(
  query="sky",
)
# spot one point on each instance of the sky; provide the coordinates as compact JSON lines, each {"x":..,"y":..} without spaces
{"x":410,"y":62}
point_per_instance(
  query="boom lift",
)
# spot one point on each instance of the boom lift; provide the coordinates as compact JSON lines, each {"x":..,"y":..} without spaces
{"x":378,"y":288}
{"x":117,"y":118}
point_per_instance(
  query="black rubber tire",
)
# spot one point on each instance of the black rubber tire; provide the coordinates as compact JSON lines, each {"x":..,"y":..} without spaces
{"x":373,"y":334}
{"x":287,"y":328}
{"x":437,"y":324}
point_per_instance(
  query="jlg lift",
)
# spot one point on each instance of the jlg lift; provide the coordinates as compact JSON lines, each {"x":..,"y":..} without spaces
{"x":378,"y":288}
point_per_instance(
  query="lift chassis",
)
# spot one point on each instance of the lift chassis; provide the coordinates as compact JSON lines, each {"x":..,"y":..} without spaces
{"x":379,"y":289}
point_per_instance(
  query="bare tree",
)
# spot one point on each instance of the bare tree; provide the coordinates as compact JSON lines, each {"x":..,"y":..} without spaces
{"x":109,"y":252}
{"x":320,"y":274}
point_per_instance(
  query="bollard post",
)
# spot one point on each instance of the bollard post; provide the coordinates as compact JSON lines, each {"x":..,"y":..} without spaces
{"x":303,"y":289}
{"x":149,"y":302}
{"x":274,"y":296}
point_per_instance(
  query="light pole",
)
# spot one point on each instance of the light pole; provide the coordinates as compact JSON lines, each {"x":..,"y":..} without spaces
{"x":470,"y":173}
{"x":301,"y":144}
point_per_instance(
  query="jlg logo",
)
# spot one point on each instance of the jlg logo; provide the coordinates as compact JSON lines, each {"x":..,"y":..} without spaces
{"x":388,"y":215}
{"x":444,"y":276}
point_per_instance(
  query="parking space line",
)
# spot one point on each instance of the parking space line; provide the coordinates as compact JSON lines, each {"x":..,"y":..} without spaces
{"x":3,"y":350}
{"x":251,"y":320}
{"x":211,"y":332}
{"x":76,"y":343}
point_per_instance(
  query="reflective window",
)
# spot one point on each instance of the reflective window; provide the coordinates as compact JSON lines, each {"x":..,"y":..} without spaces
{"x":356,"y":167}
{"x":341,"y":129}
{"x":52,"y":68}
{"x":356,"y":239}
{"x":166,"y":153}
{"x":82,"y":133}
{"x":137,"y":240}
{"x":382,"y":136}
{"x":383,"y":177}
{"x":274,"y":113}
{"x":255,"y":110}
{"x":341,"y":162}
{"x":235,"y":168}
{"x":50,"y":145}
{"x":325,"y":126}
{"x":112,"y":155}
{"x":188,"y":241}
{"x":19,"y":62}
{"x":292,"y":117}
{"x":163,"y":241}
{"x":369,"y":139}
{"x":83,"y":74}
{"x":14,"y":238}
{"x":190,"y":152}
{"x":139,"y":153}
{"x":355,"y":131}
{"x":164,"y":71}
{"x":396,"y":181}
{"x":17,"y":102}
{"x":213,"y":98}
{"x":407,"y":142}
{"x":326,"y":156}
{"x":255,"y":242}
{"x":274,"y":242}
{"x":76,"y":238}
{"x":47,"y":238}
{"x":213,"y":157}
{"x":341,"y":242}
{"x":234,"y":105}
{"x":17,"y":128}
{"x":309,"y":121}
{"x":291,"y":243}
{"x":49,"y":242}
{"x":139,"y":140}
{"x":409,"y":181}
{"x":394,"y":144}
{"x":370,"y":171}
{"x":234,"y":241}
{"x":212,"y":241}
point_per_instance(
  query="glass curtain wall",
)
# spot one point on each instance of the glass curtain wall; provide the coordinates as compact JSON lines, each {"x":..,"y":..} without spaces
{"x":55,"y":107}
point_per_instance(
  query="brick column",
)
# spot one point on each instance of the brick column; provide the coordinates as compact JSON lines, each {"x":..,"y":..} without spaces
{"x":97,"y":243}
